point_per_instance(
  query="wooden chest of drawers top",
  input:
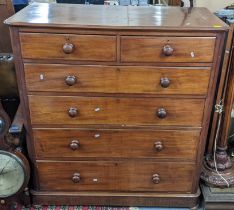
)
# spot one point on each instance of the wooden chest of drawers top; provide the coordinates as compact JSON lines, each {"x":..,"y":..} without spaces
{"x":122,"y":17}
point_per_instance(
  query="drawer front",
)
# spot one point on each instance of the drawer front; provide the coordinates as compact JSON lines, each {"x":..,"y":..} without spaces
{"x":116,"y":175}
{"x":167,"y":49}
{"x":76,"y":143}
{"x":70,"y":110}
{"x":148,"y":80}
{"x":68,"y":47}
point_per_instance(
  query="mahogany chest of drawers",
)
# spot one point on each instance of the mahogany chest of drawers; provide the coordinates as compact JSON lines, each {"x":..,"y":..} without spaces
{"x":117,"y":101}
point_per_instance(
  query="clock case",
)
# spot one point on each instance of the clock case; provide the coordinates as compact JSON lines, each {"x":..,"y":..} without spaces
{"x":12,"y":144}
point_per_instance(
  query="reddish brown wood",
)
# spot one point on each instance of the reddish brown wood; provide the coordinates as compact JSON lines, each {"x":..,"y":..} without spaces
{"x":80,"y":47}
{"x":137,"y":18}
{"x":178,"y":49}
{"x":117,"y":198}
{"x":120,"y":79}
{"x":210,"y":102}
{"x":220,"y":127}
{"x":115,"y":143}
{"x":6,"y":10}
{"x":71,"y":110}
{"x":115,"y":176}
{"x":222,"y":86}
{"x":121,"y":94}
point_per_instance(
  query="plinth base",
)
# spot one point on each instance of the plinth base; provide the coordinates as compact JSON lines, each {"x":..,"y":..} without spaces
{"x":211,"y":178}
{"x":217,"y":199}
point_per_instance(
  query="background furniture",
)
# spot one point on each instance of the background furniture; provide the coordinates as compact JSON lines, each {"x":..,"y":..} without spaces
{"x":218,"y":140}
{"x":11,"y":124}
{"x":116,"y":109}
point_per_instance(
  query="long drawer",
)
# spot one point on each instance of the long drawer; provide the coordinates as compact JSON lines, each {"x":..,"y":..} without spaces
{"x":60,"y":110}
{"x":115,"y":176}
{"x":118,"y":143}
{"x":68,"y":47}
{"x":109,"y":79}
{"x":167,"y":49}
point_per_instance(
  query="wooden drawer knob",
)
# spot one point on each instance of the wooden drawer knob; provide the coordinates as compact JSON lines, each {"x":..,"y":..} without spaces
{"x":75,"y":144}
{"x":165,"y":82}
{"x":167,"y":50}
{"x":161,"y":113}
{"x":68,"y":48}
{"x":70,"y":80}
{"x":76,"y":178}
{"x":158,"y":145}
{"x":156,"y":178}
{"x":73,"y":112}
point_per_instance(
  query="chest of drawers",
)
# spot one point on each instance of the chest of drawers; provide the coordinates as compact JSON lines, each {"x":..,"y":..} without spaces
{"x":117,"y":101}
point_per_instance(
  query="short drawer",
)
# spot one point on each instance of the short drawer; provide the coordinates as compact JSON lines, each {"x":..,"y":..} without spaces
{"x":104,"y":79}
{"x":167,"y":49}
{"x":118,"y":143}
{"x":59,"y":110}
{"x":68,"y":47}
{"x":116,"y":176}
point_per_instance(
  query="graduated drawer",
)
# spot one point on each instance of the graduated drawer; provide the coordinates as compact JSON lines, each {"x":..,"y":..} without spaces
{"x":68,"y":47}
{"x":118,"y":143}
{"x":133,"y":175}
{"x":98,"y":79}
{"x":76,"y":110}
{"x":167,"y":49}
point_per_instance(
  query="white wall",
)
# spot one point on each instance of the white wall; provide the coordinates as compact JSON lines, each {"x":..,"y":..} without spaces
{"x":213,"y":5}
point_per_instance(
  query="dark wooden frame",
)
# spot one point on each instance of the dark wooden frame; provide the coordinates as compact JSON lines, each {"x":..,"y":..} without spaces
{"x":225,"y":93}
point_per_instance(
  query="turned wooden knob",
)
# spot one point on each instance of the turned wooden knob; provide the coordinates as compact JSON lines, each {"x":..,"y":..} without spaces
{"x":70,"y":80}
{"x":158,"y":145}
{"x":75,"y":144}
{"x":156,"y":178}
{"x":161,"y":113}
{"x":76,"y":177}
{"x":73,"y":112}
{"x":167,"y":50}
{"x":68,"y":48}
{"x":165,"y":82}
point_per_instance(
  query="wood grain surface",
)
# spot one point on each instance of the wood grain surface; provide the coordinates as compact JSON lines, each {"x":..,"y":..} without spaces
{"x":115,"y":110}
{"x":150,"y":49}
{"x":116,"y":143}
{"x":102,"y":127}
{"x":112,"y":17}
{"x":116,"y":79}
{"x":50,"y":46}
{"x":115,"y":176}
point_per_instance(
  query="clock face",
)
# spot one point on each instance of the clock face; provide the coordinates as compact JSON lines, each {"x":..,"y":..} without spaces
{"x":12,"y":174}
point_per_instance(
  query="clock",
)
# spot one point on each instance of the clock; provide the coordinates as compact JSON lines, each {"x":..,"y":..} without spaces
{"x":14,"y":173}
